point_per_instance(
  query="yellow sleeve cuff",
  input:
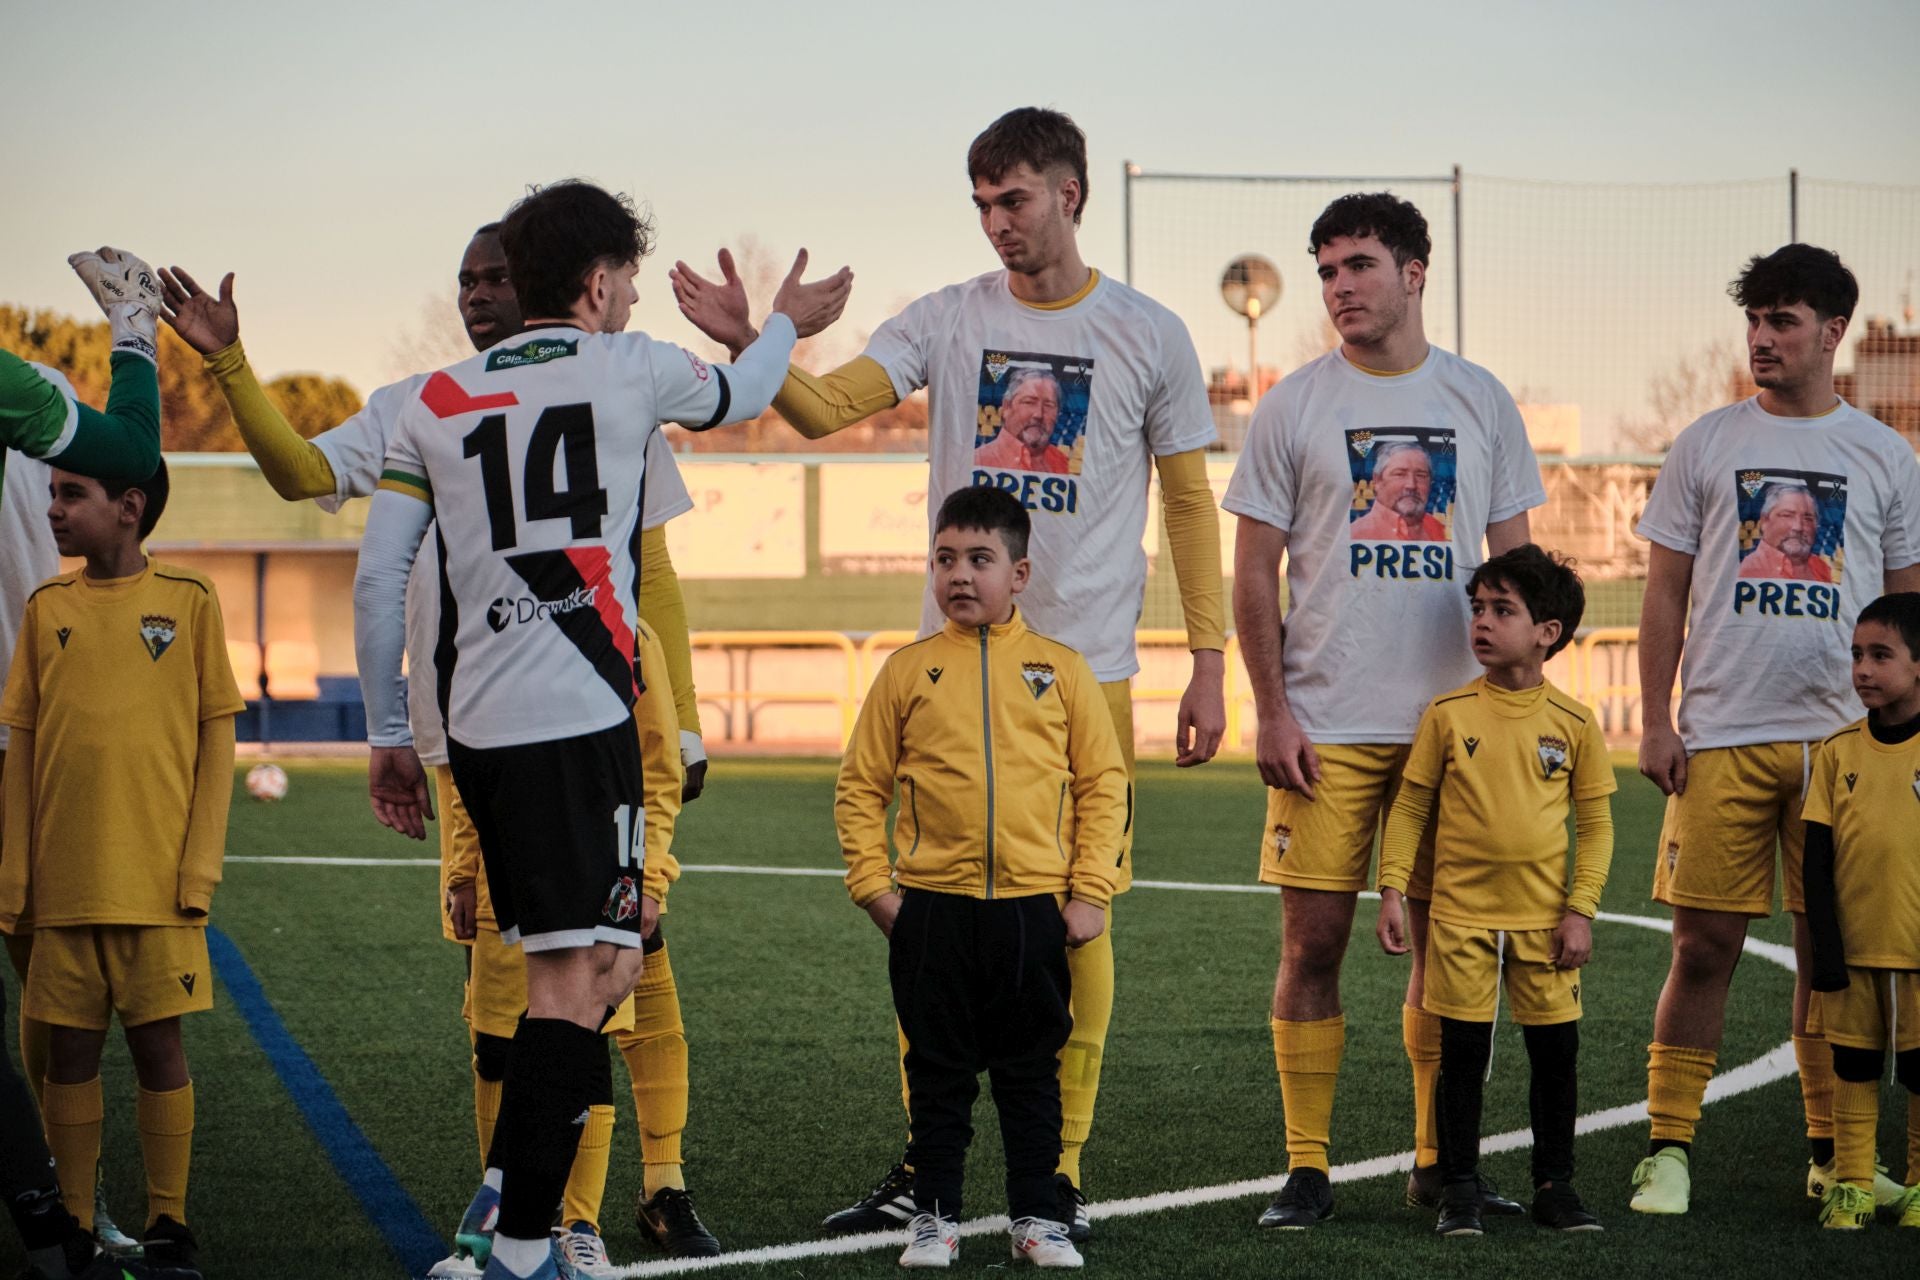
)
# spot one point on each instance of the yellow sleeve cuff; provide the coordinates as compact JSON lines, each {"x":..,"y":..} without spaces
{"x":1193,"y":535}
{"x":820,"y":406}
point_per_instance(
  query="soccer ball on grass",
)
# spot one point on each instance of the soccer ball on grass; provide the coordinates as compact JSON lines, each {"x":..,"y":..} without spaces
{"x":267,"y":782}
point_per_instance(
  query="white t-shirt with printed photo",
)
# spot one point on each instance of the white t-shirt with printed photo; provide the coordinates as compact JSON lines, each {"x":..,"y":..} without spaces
{"x":357,"y":449}
{"x":1064,"y":408}
{"x":1385,"y":486}
{"x":27,"y":554}
{"x":1793,"y":524}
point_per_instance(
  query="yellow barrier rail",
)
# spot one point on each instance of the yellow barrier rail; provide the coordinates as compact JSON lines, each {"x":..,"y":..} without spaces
{"x":738,"y":647}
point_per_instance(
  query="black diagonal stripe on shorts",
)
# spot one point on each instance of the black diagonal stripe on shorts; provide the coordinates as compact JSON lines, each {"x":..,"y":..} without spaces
{"x":554,"y":577}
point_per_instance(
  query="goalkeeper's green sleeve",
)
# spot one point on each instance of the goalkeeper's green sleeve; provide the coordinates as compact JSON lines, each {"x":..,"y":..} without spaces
{"x":43,"y":419}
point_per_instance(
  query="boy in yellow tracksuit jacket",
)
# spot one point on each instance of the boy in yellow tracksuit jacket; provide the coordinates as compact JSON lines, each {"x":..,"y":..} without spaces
{"x":1013,"y":809}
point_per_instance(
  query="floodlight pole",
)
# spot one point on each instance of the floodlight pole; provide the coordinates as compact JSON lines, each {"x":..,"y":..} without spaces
{"x":1128,"y":171}
{"x":1459,"y":275}
{"x":1793,"y":206}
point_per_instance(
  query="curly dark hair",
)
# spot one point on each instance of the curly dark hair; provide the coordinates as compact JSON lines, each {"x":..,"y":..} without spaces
{"x":1395,"y":222}
{"x":1797,"y":273}
{"x":556,"y":235}
{"x":1545,"y":583}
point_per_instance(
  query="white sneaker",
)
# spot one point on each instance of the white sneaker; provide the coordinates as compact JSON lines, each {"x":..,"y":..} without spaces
{"x":1886,"y":1192}
{"x":1043,"y":1243}
{"x":935,"y":1241}
{"x":582,"y":1246}
{"x":455,"y":1266}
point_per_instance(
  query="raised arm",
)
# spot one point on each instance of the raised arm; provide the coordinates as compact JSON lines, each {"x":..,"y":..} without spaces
{"x":41,"y":417}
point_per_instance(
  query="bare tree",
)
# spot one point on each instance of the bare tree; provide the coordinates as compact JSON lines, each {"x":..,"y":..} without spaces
{"x":434,"y":341}
{"x":1706,"y":378}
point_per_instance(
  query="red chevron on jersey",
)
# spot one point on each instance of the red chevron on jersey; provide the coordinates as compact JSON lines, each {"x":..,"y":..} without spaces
{"x":448,"y":399}
{"x":593,"y":564}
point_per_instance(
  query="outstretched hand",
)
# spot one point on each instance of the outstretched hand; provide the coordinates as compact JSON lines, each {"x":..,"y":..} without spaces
{"x":717,"y":308}
{"x":812,"y":305}
{"x":205,"y":322}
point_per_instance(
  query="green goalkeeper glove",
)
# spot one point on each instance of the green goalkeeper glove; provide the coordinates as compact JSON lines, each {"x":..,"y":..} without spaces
{"x":129,"y":292}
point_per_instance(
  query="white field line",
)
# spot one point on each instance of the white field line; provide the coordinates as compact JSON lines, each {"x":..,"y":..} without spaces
{"x":1776,"y":1064}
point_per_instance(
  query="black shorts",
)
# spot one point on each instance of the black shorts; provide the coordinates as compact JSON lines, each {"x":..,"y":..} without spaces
{"x":561,"y":827}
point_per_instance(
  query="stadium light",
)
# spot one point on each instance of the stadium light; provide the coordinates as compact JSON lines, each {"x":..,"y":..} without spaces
{"x":1250,"y":286}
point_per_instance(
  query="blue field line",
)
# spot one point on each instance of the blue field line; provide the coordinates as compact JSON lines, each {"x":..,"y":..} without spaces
{"x":414,"y":1242}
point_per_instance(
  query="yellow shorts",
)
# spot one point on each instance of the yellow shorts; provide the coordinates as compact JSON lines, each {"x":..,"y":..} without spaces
{"x":81,"y":975}
{"x":1717,"y":842}
{"x":1327,"y":842}
{"x":1119,"y":696}
{"x":1465,"y":973}
{"x":1876,"y":1002}
{"x":496,"y":993}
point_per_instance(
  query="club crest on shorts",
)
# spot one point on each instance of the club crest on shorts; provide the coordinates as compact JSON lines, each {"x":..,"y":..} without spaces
{"x":1673,"y":855}
{"x":996,"y":365}
{"x":1553,"y":755}
{"x":1751,"y":482}
{"x":156,"y":633}
{"x":1282,"y":840}
{"x":623,"y":902}
{"x":1039,"y":677}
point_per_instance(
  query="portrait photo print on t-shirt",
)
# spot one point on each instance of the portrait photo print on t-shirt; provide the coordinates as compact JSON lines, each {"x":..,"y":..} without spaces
{"x":1403,"y":484}
{"x":1033,"y":413}
{"x":1793,"y":524}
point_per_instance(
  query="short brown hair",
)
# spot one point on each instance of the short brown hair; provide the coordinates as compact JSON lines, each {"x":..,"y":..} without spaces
{"x":1034,"y":136}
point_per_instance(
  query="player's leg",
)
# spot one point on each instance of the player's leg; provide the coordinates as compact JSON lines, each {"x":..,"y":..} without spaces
{"x":33,"y":1035}
{"x":1853,"y":1023}
{"x":1318,"y":852}
{"x":1715,"y":868}
{"x":1461,"y":990}
{"x":1545,"y":1002}
{"x":579,"y":1240}
{"x":66,"y":990}
{"x":54,"y":1240}
{"x":1811,"y":1057}
{"x":931,"y":967}
{"x":159,"y":975}
{"x":1025,"y":1025}
{"x":655,"y":1050}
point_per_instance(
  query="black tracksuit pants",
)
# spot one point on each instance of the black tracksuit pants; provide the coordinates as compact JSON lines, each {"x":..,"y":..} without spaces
{"x":982,"y":985}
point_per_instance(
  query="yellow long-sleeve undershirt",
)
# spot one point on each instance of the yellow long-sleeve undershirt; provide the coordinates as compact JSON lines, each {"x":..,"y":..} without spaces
{"x":293,"y":466}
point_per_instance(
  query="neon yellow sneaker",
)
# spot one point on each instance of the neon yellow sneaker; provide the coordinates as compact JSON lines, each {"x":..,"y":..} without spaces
{"x":1846,"y":1207}
{"x":1908,"y":1207}
{"x":1662,"y":1183}
{"x":1886,"y":1192}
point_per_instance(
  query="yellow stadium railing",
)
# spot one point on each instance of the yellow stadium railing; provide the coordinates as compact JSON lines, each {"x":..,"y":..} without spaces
{"x":738,"y":648}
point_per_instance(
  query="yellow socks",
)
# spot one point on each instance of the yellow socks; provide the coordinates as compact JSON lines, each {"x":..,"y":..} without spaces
{"x":1855,"y":1115}
{"x":165,"y":1122}
{"x":656,"y":1056}
{"x":587,"y":1180}
{"x":486,"y":1112}
{"x":1814,"y":1057}
{"x":1091,"y":968}
{"x":1307,"y":1055}
{"x":73,"y":1113}
{"x":1676,"y":1085}
{"x":1420,"y":1032}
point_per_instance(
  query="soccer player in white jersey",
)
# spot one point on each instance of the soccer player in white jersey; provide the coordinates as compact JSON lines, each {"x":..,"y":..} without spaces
{"x":1385,"y":471}
{"x":345,"y":462}
{"x":532,"y":461}
{"x":1773,"y":522}
{"x":1067,"y":389}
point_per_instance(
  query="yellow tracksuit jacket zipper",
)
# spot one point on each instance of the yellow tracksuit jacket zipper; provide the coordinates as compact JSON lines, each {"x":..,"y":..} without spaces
{"x":986,"y":736}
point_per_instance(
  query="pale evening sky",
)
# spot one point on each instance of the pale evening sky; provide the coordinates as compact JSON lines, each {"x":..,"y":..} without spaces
{"x":336,"y":156}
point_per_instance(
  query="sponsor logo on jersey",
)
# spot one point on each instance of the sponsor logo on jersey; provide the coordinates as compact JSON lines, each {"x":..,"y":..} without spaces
{"x":505,"y":611}
{"x":1282,"y":840}
{"x":1039,"y":677}
{"x":187,"y":980}
{"x":156,"y":632}
{"x":934,"y":673}
{"x":63,"y":633}
{"x":1553,"y":754}
{"x":1851,"y":779}
{"x":536,"y":351}
{"x":623,"y":902}
{"x":1473,"y":745}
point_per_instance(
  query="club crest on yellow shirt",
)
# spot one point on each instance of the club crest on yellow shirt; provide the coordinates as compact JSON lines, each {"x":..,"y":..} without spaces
{"x":1553,"y":755}
{"x":1039,"y":677}
{"x":156,"y":633}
